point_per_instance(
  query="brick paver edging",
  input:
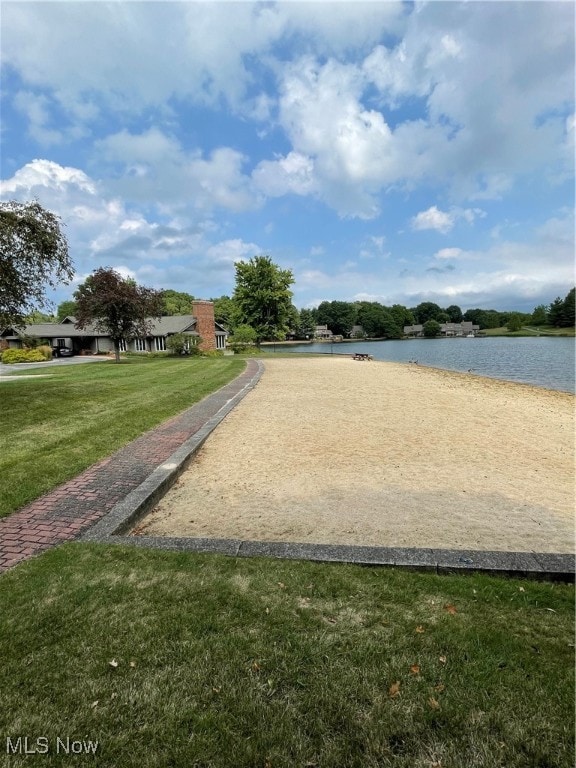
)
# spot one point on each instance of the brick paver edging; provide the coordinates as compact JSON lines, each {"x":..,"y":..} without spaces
{"x":73,"y":507}
{"x":139,"y":501}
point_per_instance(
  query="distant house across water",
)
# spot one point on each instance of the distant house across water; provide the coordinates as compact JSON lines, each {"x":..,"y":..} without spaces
{"x":465,"y":328}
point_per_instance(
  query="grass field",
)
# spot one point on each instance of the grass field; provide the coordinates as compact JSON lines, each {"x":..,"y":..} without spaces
{"x":53,"y":428}
{"x":544,"y":330}
{"x":172,"y":659}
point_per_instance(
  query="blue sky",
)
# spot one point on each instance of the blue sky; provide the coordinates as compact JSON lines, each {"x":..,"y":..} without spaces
{"x":392,"y":152}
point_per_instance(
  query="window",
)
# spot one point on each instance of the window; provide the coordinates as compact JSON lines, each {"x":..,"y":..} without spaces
{"x":122,"y":346}
{"x":220,"y":342}
{"x":140,"y":345}
{"x":160,"y":343}
{"x":60,"y":342}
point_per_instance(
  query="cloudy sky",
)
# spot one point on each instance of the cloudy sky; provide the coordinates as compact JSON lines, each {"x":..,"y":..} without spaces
{"x":388,"y":151}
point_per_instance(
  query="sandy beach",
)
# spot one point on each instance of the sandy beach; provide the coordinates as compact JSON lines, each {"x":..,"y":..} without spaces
{"x":332,"y":450}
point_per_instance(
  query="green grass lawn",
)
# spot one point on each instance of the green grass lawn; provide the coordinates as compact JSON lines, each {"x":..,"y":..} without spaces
{"x":53,"y":428}
{"x":173,"y":659}
{"x":544,"y":330}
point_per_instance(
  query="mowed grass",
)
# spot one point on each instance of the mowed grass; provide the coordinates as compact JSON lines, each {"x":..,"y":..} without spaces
{"x":544,"y":330}
{"x":174,"y":659}
{"x":54,"y":427}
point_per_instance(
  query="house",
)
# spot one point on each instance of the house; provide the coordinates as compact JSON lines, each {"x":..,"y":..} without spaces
{"x":89,"y":340}
{"x":322,"y":332}
{"x":465,"y":328}
{"x":357,"y":332}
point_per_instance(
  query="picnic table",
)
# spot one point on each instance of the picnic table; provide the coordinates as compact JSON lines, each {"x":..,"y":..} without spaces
{"x":362,"y":356}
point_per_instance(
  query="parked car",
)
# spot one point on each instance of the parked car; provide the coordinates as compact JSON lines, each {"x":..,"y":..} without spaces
{"x":62,"y":352}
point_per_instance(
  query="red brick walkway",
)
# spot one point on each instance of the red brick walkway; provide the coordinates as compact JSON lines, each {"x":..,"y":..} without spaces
{"x":66,"y":512}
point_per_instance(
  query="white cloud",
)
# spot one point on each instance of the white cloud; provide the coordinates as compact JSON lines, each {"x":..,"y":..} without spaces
{"x":449,"y":253}
{"x":444,"y":221}
{"x":433,"y":218}
{"x":152,"y":167}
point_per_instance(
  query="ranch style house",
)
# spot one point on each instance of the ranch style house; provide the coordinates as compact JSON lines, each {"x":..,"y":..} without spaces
{"x":91,"y":341}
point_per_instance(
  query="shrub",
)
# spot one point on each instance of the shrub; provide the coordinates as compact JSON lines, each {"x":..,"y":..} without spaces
{"x":244,"y":337}
{"x":183,"y":344}
{"x":11,"y":356}
{"x":212,"y":353}
{"x":29,"y":342}
{"x":45,"y":351}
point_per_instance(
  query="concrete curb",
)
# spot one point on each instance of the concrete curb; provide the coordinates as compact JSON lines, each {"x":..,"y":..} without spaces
{"x":538,"y":566}
{"x":112,"y":528}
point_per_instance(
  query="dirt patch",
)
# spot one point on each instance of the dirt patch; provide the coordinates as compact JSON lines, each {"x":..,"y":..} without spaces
{"x":332,"y":450}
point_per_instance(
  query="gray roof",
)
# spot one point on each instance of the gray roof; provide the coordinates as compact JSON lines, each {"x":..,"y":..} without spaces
{"x":163,"y":326}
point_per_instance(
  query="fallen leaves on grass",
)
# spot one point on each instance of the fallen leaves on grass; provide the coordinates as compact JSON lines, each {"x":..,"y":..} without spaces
{"x":420,"y":630}
{"x":450,"y":609}
{"x":415,"y":669}
{"x":113,"y":663}
{"x":433,"y":703}
{"x":394,"y":690}
{"x":442,"y":659}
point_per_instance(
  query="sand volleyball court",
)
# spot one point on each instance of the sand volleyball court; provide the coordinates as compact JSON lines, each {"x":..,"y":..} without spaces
{"x":337,"y":451}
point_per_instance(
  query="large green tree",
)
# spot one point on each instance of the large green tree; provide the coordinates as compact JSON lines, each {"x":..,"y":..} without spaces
{"x":454,"y":313}
{"x":377,"y":320}
{"x":66,"y":309}
{"x":33,"y":256}
{"x":431,"y":329}
{"x":226,"y":312}
{"x":306,"y":324}
{"x":263,"y":297}
{"x":176,"y":302}
{"x":428,"y":310}
{"x":339,"y":316}
{"x":116,"y":306}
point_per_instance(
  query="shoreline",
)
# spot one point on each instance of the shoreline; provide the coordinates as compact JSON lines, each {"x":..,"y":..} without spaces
{"x":325,"y":450}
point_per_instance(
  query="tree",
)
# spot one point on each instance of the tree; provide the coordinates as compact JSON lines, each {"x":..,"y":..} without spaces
{"x":306,"y":324}
{"x":515,"y":321}
{"x":555,"y":312}
{"x":539,"y":315}
{"x":402,"y":316}
{"x":427,"y":310}
{"x":339,"y":316}
{"x":66,"y":309}
{"x":569,"y":309}
{"x":176,"y":302}
{"x":431,"y":328}
{"x":377,"y":320}
{"x":116,"y":306}
{"x":226,"y":312}
{"x":263,"y":297}
{"x":454,"y":313}
{"x":39,"y":317}
{"x":33,"y":255}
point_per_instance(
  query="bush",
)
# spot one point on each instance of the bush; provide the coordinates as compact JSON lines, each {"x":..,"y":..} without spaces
{"x":29,"y":342}
{"x":11,"y":356}
{"x":183,"y":344}
{"x":244,"y":337}
{"x":45,"y":351}
{"x":212,"y":353}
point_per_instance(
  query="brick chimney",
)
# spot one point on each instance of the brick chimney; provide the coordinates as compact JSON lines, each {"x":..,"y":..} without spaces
{"x":203,"y":311}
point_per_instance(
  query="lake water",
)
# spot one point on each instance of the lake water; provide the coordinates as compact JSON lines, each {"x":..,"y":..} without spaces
{"x":543,"y":362}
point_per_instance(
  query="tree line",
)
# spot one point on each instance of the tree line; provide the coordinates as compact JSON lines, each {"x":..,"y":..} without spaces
{"x":34,"y":254}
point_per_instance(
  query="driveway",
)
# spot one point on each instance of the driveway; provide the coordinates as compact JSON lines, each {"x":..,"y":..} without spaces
{"x":22,"y":368}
